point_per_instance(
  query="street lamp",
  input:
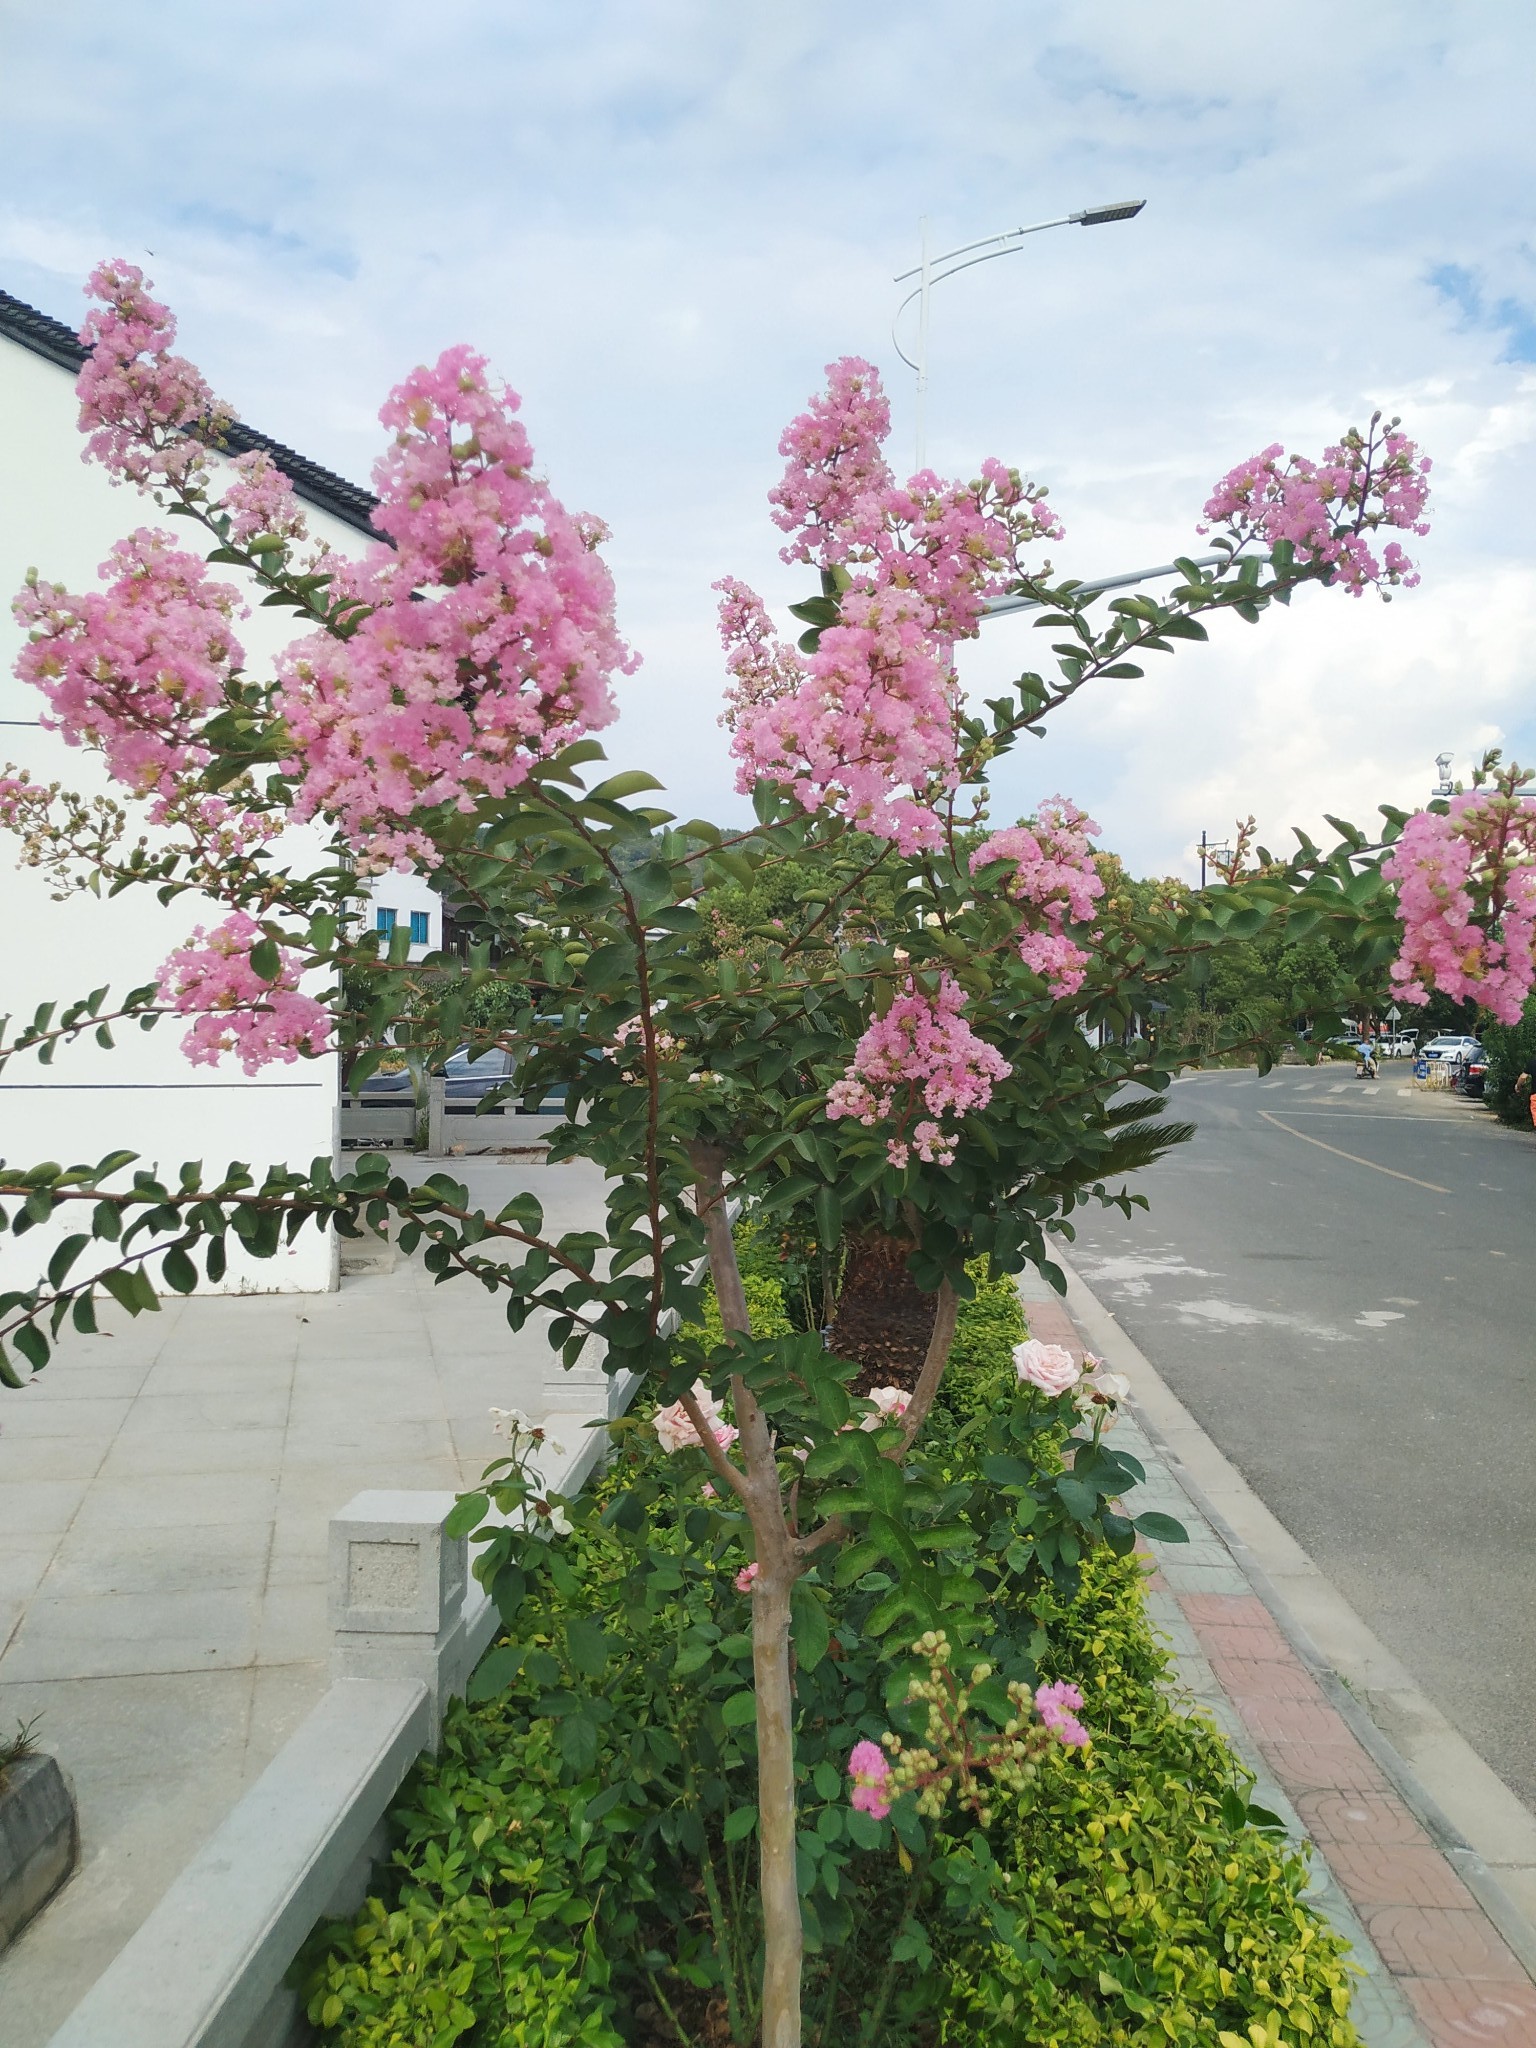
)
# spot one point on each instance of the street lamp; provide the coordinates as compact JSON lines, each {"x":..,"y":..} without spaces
{"x":1216,"y":849}
{"x":1445,"y":786}
{"x":933,"y":270}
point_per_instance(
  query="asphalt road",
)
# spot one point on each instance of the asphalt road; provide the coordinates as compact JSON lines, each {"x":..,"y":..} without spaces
{"x":1338,"y":1279}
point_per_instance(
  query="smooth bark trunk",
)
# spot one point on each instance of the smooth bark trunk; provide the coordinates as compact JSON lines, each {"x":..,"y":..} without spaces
{"x":782,"y":1936}
{"x":778,"y":1567}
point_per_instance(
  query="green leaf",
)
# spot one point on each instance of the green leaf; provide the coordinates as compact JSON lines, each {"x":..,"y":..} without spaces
{"x":739,"y":1710}
{"x":739,"y":1825}
{"x":64,"y":1257}
{"x":495,"y":1673}
{"x":856,"y":1560}
{"x":630,"y":783}
{"x":1161,"y":1528}
{"x":32,"y":1345}
{"x":1005,"y":1471}
{"x":178,"y":1270}
{"x":466,"y":1514}
{"x":123,"y":1288}
{"x":587,"y":1646}
{"x":266,"y":960}
{"x":812,"y":1631}
{"x":829,"y":1217}
{"x":576,"y":1740}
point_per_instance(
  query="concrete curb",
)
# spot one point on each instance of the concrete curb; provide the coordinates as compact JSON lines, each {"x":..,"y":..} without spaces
{"x":1462,"y":1814}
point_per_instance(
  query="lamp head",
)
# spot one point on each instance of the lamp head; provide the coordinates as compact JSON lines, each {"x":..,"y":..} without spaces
{"x":1098,"y":216}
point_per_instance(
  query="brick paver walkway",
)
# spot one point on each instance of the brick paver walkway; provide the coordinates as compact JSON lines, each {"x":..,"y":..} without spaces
{"x":1437,"y":1969}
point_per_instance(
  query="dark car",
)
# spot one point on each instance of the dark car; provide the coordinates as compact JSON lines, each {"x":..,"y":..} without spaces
{"x":1474,"y":1074}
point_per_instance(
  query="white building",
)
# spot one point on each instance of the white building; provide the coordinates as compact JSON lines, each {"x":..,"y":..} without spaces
{"x":62,"y":515}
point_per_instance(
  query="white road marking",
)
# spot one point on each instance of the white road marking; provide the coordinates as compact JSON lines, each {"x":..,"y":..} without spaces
{"x":1412,"y":1179}
{"x":1376,"y":1318}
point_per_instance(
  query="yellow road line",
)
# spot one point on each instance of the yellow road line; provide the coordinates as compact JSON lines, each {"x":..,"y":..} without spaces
{"x":1433,"y":1185}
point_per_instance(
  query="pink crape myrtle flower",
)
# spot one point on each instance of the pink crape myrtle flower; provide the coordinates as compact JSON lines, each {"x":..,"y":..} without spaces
{"x":146,"y":413}
{"x":921,"y":1051}
{"x":746,"y":1578}
{"x":867,"y":722}
{"x":1050,"y":1367}
{"x":491,"y":640}
{"x":136,"y":669}
{"x":1466,"y":889}
{"x":674,"y":1425}
{"x":211,"y":979}
{"x":870,"y":1771}
{"x":1055,"y":883}
{"x":1058,"y":1707}
{"x":1326,"y":509}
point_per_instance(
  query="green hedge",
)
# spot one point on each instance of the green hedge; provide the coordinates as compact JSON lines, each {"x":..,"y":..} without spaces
{"x":1511,"y":1052}
{"x":558,"y":1874}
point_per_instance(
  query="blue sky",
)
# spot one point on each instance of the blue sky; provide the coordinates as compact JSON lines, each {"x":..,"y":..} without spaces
{"x":660,"y":218}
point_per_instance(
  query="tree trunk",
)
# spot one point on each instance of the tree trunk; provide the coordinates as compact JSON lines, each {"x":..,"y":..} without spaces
{"x":782,"y":1937}
{"x":778,"y":1567}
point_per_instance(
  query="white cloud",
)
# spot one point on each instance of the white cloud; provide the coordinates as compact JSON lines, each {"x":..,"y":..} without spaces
{"x":661,"y":219}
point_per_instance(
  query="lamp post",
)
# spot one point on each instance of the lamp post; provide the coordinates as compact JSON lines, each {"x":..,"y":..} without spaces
{"x":1216,"y":849}
{"x":932,"y":270}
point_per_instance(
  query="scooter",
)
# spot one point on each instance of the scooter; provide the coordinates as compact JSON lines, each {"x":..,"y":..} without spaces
{"x":1365,"y":1065}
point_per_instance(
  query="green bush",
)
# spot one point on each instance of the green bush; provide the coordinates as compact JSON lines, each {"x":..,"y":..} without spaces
{"x":1131,"y":1904}
{"x":1511,"y":1052}
{"x":578,"y":1859}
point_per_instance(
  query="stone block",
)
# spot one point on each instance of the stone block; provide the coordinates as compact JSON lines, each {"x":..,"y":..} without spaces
{"x":39,"y":1840}
{"x":393,"y":1570}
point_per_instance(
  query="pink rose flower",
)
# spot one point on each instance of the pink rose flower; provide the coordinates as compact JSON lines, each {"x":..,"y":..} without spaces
{"x":1050,"y":1367}
{"x":674,"y":1425}
{"x":889,"y":1403}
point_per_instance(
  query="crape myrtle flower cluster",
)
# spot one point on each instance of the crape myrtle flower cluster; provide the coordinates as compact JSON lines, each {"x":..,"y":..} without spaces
{"x":1326,"y":509}
{"x":1055,"y":883}
{"x":1466,"y":887}
{"x":956,"y":1758}
{"x":922,"y":1054}
{"x":491,"y":640}
{"x":261,"y":1019}
{"x":135,"y":669}
{"x":866,"y":723}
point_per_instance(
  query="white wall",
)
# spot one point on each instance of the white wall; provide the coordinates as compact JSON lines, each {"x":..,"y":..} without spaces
{"x":61,"y":516}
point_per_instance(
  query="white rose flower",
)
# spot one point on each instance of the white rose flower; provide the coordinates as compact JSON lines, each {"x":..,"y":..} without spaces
{"x":1050,"y":1367}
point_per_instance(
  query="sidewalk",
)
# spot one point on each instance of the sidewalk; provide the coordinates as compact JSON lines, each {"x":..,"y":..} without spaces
{"x":1419,"y":1905}
{"x":165,"y":1496}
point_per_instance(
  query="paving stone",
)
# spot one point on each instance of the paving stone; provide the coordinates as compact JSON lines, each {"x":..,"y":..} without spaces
{"x":1475,"y":2015}
{"x":1267,"y":1678}
{"x":1439,"y":1941}
{"x":1226,"y":1610}
{"x":1398,"y":1874}
{"x":1294,"y":1721}
{"x":1367,"y":1818}
{"x":1322,"y":1767}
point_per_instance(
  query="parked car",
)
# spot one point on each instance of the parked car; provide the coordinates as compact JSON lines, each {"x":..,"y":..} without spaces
{"x":1456,"y":1049}
{"x":1398,"y":1045}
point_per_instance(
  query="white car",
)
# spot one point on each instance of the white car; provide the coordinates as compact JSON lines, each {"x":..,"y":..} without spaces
{"x":1450,"y":1049}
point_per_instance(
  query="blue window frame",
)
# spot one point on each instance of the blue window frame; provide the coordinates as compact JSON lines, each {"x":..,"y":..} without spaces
{"x":384,"y":920}
{"x":421,"y":927}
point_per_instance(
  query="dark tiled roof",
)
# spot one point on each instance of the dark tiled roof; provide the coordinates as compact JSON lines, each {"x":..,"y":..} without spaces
{"x":322,"y":488}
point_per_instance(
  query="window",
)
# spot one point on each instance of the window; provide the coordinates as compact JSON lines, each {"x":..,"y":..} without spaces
{"x":421,"y":927}
{"x":384,"y":920}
